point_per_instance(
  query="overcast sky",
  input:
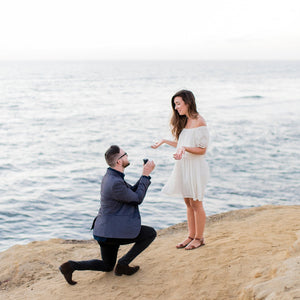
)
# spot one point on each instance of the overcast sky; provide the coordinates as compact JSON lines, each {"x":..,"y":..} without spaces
{"x":156,"y":29}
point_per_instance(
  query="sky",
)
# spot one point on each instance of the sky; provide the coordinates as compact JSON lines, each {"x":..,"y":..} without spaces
{"x":149,"y":30}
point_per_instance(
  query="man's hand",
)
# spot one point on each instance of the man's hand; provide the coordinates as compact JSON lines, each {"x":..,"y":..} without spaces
{"x":148,"y":168}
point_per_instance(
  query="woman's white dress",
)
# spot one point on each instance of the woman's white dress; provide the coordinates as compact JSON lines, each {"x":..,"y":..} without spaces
{"x":190,"y":174}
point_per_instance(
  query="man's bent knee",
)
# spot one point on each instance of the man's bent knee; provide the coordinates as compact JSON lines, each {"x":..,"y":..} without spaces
{"x":151,"y":234}
{"x":108,"y":268}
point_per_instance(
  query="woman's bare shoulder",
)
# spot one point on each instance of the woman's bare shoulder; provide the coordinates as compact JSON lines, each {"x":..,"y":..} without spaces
{"x":200,"y":121}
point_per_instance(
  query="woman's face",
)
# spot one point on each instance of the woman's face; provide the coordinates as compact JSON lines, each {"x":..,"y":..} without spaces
{"x":180,"y":106}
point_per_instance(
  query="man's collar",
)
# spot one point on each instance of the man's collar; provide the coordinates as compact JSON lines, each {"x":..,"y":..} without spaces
{"x":117,"y":172}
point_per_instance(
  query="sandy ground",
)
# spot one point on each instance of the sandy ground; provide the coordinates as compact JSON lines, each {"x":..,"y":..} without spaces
{"x":249,"y":254}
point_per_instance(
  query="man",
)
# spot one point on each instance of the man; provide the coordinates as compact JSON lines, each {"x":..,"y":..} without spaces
{"x":118,"y":221}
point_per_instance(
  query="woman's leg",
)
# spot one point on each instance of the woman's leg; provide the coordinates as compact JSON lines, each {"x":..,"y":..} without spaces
{"x":200,"y":218}
{"x":190,"y":217}
{"x":191,"y":223}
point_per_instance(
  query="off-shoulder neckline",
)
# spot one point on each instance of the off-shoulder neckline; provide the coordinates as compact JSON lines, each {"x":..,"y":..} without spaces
{"x":195,"y":127}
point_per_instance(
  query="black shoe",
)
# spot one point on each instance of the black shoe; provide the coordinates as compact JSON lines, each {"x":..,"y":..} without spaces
{"x":67,"y":270}
{"x":125,"y":269}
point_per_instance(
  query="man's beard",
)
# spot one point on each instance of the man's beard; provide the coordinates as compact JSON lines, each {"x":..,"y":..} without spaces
{"x":125,"y":164}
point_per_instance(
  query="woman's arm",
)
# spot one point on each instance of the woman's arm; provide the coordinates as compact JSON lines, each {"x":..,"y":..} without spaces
{"x":193,"y":150}
{"x":163,"y":141}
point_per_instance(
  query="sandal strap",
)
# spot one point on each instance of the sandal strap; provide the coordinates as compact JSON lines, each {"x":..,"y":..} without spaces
{"x":200,"y":240}
{"x":190,"y":247}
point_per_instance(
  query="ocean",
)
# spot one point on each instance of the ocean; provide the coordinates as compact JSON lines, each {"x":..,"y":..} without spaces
{"x":59,"y":117}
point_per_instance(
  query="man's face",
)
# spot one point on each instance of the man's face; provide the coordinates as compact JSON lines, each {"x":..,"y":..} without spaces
{"x":124,"y":158}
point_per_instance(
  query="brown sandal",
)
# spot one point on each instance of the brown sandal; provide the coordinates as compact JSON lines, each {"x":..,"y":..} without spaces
{"x":181,"y":245}
{"x":192,"y":247}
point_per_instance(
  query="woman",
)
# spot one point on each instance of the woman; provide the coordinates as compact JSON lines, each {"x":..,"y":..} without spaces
{"x":190,"y":174}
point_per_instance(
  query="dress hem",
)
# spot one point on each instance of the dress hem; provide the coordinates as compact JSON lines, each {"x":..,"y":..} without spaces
{"x":180,"y":195}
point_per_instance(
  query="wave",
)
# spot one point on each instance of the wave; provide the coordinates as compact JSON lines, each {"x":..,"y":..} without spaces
{"x":9,"y":167}
{"x":252,"y":97}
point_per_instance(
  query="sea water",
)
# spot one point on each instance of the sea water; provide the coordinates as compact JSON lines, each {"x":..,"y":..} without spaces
{"x":59,"y":117}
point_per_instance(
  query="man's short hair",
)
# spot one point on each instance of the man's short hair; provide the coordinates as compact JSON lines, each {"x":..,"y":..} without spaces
{"x":112,"y":154}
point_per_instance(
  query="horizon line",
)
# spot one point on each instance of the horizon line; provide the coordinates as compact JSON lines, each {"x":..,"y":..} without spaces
{"x":147,"y":60}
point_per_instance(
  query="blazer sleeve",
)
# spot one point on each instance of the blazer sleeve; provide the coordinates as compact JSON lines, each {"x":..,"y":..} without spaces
{"x":134,"y":187}
{"x":131,"y":195}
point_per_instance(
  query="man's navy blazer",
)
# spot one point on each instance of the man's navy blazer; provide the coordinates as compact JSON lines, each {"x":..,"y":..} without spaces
{"x":119,"y":215}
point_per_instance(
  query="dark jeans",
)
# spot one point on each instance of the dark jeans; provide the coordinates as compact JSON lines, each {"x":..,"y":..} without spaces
{"x":109,"y":252}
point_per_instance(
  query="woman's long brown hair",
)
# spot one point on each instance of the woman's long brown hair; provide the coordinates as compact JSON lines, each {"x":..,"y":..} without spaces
{"x":178,"y":122}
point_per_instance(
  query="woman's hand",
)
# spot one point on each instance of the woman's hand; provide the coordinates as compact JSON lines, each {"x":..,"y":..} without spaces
{"x":157,"y":144}
{"x":180,"y":152}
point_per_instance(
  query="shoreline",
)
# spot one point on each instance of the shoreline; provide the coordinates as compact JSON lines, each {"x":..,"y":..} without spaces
{"x":250,"y":253}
